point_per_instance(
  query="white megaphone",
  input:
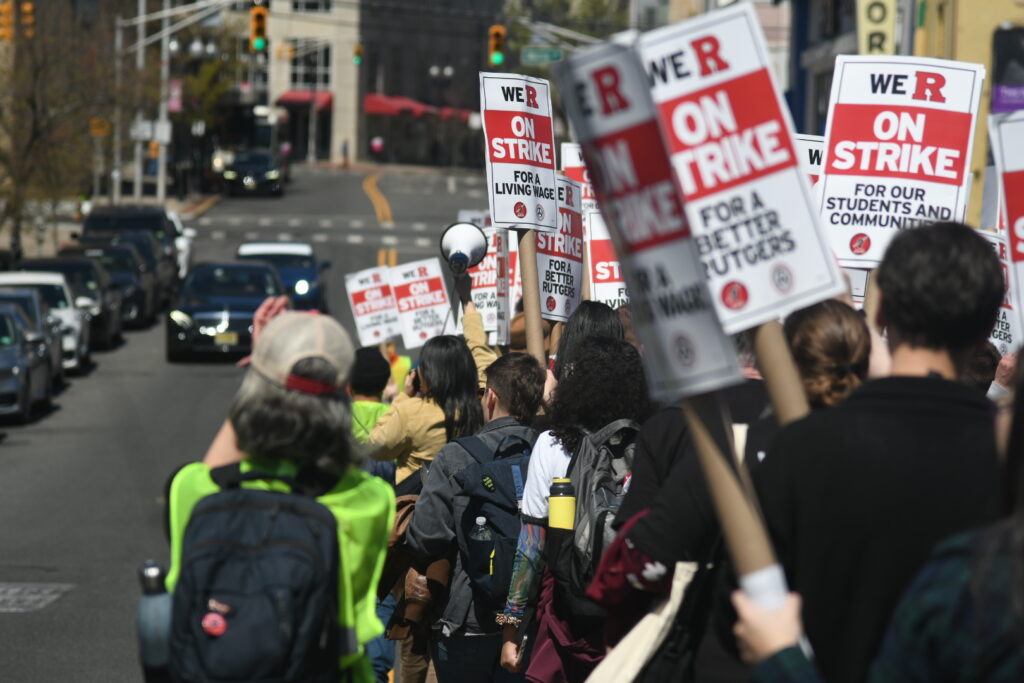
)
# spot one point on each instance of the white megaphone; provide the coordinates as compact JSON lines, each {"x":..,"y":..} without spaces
{"x":463,"y":245}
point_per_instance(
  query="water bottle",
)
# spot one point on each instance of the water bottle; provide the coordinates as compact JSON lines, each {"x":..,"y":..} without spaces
{"x":562,"y":505}
{"x":480,"y":532}
{"x":154,"y":623}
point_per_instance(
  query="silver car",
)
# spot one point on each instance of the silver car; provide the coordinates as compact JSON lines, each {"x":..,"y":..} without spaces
{"x":74,"y":321}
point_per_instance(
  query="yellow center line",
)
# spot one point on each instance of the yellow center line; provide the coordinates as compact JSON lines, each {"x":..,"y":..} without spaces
{"x":380,"y":203}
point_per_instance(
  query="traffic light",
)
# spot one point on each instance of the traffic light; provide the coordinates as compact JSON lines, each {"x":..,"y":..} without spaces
{"x":496,"y":45}
{"x":7,"y":20}
{"x":357,"y":54}
{"x":28,"y":19}
{"x":258,"y":29}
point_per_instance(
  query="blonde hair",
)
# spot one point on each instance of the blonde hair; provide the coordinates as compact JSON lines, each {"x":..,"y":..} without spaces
{"x":831,"y":345}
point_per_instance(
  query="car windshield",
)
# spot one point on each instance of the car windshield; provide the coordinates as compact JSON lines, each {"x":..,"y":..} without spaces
{"x":282,"y":260}
{"x":252,"y":158}
{"x":117,"y":261}
{"x":7,"y":335}
{"x":81,"y":277}
{"x":144,"y":246}
{"x":27,"y":303}
{"x":53,"y":295}
{"x":241,"y":282}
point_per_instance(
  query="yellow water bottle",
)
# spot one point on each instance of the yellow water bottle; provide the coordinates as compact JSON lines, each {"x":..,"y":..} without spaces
{"x":562,"y":505}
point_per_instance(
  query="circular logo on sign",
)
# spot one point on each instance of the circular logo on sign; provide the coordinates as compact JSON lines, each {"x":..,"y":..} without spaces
{"x":782,"y":278}
{"x":685,"y":351}
{"x":376,"y":333}
{"x":540,"y":212}
{"x":550,"y":303}
{"x":860,"y":243}
{"x":520,"y":210}
{"x":423,"y":334}
{"x":735,"y":295}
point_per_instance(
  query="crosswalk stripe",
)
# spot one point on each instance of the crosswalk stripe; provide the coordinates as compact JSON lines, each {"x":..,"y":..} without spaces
{"x":205,"y":220}
{"x":389,"y":239}
{"x":252,"y":235}
{"x":326,"y":223}
{"x":234,"y":220}
{"x":264,"y":222}
{"x":354,"y":239}
{"x":422,"y":241}
{"x":356,"y":223}
{"x":320,"y":237}
{"x":284,"y":236}
{"x":218,"y":234}
{"x":294,"y":222}
{"x":419,"y":226}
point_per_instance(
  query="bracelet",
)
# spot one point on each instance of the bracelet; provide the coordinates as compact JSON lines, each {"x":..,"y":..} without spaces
{"x":504,"y":619}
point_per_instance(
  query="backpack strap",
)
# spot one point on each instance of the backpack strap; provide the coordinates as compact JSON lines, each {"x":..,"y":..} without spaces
{"x":612,"y":428}
{"x":231,"y":477}
{"x":476,"y":447}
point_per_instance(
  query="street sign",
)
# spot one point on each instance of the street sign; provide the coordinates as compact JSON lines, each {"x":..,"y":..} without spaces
{"x":99,"y":128}
{"x":162,"y":132}
{"x":532,"y":55}
{"x":175,"y":95}
{"x":141,"y":130}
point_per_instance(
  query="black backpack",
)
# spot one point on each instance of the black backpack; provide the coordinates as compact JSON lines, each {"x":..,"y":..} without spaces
{"x":257,"y":598}
{"x":599,"y":470}
{"x":492,"y":487}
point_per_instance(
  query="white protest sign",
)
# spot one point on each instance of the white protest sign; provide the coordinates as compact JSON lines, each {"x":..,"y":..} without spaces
{"x":516,"y":113}
{"x":373,"y":305}
{"x":560,"y":256}
{"x":1006,"y":134}
{"x":607,"y":283}
{"x":481,"y":218}
{"x":858,"y":285}
{"x":1006,"y":333}
{"x":810,"y":149}
{"x":606,"y":98}
{"x":574,"y":167}
{"x":503,"y":305}
{"x":730,"y":139}
{"x":423,"y":307}
{"x":898,"y":144}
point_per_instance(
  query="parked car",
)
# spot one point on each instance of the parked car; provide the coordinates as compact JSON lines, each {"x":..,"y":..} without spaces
{"x":40,"y":320}
{"x":74,"y":321}
{"x":163,"y":268}
{"x":183,"y":241}
{"x":129,"y":272}
{"x":217,"y":302}
{"x":24,"y":366}
{"x":254,"y":171}
{"x":298,"y":267}
{"x":113,"y":219}
{"x":95,"y":293}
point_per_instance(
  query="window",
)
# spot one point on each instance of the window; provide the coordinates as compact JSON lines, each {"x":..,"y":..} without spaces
{"x":311,"y":65}
{"x":311,"y":5}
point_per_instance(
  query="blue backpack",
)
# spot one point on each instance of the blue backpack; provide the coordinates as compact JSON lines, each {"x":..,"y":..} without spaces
{"x":257,"y":599}
{"x":492,"y":487}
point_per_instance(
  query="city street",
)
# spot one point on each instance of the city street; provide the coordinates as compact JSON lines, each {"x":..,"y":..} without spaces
{"x":82,"y":485}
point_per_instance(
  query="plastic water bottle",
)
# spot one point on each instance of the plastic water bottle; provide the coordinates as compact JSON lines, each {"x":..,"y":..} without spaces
{"x":154,"y":623}
{"x":480,"y":532}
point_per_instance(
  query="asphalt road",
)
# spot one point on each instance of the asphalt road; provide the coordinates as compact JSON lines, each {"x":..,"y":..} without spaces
{"x":80,"y":503}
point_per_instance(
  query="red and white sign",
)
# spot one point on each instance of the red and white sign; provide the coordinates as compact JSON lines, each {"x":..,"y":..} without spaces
{"x":605,"y":95}
{"x":1006,"y":135}
{"x":422,"y":300}
{"x":1006,"y":333}
{"x":574,"y":167}
{"x":485,"y":280}
{"x":560,"y":256}
{"x":607,"y":283}
{"x":810,"y":149}
{"x":505,"y":292}
{"x":731,"y":142}
{"x":898,"y":149}
{"x":481,"y":218}
{"x":373,"y":305}
{"x":516,"y":113}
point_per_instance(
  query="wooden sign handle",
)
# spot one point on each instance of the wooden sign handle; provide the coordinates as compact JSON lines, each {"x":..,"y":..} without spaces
{"x":872,"y":300}
{"x":531,"y":295}
{"x":775,"y":361}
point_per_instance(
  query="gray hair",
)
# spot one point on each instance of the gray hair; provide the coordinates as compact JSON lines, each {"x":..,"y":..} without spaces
{"x":273,"y":422}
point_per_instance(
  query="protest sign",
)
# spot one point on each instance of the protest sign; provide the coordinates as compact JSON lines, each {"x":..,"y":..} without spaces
{"x":423,"y":307}
{"x":730,"y":139}
{"x":607,"y":283}
{"x":1005,"y":334}
{"x":485,"y":280}
{"x":560,"y":256}
{"x":858,"y":285}
{"x":574,"y":167}
{"x":606,"y":98}
{"x":1006,"y":133}
{"x":481,"y":218}
{"x":502,"y":293}
{"x":810,"y":149}
{"x":373,"y":305}
{"x":516,"y":114}
{"x":898,"y":144}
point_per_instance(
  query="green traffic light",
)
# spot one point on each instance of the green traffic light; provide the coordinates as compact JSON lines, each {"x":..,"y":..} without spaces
{"x":497,"y":58}
{"x":259,"y":43}
{"x":357,"y":60}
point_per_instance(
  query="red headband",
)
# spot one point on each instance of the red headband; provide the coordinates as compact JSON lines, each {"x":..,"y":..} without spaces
{"x":310,"y":386}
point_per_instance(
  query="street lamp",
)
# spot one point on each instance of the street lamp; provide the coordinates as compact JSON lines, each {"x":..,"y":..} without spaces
{"x":196,"y":47}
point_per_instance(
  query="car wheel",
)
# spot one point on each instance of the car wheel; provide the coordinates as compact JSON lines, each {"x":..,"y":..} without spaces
{"x":175,"y":355}
{"x":47,"y":400}
{"x":25,"y":405}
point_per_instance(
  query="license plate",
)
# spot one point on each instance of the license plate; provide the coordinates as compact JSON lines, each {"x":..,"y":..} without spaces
{"x":226,"y":339}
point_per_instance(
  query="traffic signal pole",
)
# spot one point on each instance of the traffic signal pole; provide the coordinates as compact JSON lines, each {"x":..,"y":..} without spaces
{"x":163,"y":124}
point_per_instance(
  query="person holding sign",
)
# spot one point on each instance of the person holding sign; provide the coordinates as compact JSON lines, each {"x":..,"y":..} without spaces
{"x":906,"y":461}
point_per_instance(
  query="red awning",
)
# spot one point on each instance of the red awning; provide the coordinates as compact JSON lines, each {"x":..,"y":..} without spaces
{"x":448,"y":112}
{"x":393,"y":105}
{"x":304,"y":97}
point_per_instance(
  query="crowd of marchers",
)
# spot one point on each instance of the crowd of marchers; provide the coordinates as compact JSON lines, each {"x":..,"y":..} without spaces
{"x":496,"y":520}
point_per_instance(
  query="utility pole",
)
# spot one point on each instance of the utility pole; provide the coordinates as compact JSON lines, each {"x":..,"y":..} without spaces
{"x":115,"y":173}
{"x":140,"y":65}
{"x":163,"y":125}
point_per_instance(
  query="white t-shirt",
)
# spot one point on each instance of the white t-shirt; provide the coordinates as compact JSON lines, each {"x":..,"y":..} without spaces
{"x":548,"y":460}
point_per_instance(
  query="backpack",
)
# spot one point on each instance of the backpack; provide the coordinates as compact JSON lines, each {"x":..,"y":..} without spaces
{"x":257,"y":598}
{"x":600,"y":470}
{"x":492,"y":487}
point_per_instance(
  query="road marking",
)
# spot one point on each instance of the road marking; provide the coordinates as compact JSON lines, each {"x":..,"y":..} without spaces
{"x":422,"y":241}
{"x":354,"y":239}
{"x":356,"y":223}
{"x":252,"y":235}
{"x":326,"y":223}
{"x":452,"y":184}
{"x":388,"y":225}
{"x":234,"y":220}
{"x":387,"y":257}
{"x":380,"y":203}
{"x":29,"y":597}
{"x":389,"y":239}
{"x":294,"y":222}
{"x":264,"y":222}
{"x":320,"y":237}
{"x":419,"y":226}
{"x":284,"y":237}
{"x":471,"y":180}
{"x":205,"y":220}
{"x":475,"y":194}
{"x":218,"y":234}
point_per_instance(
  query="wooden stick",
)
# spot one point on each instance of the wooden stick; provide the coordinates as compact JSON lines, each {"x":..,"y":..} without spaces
{"x":585,"y":290}
{"x":531,"y":295}
{"x":785,"y":389}
{"x":872,"y":301}
{"x":555,"y":337}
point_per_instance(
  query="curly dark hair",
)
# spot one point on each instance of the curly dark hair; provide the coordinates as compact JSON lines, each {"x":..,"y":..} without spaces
{"x":607,"y":383}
